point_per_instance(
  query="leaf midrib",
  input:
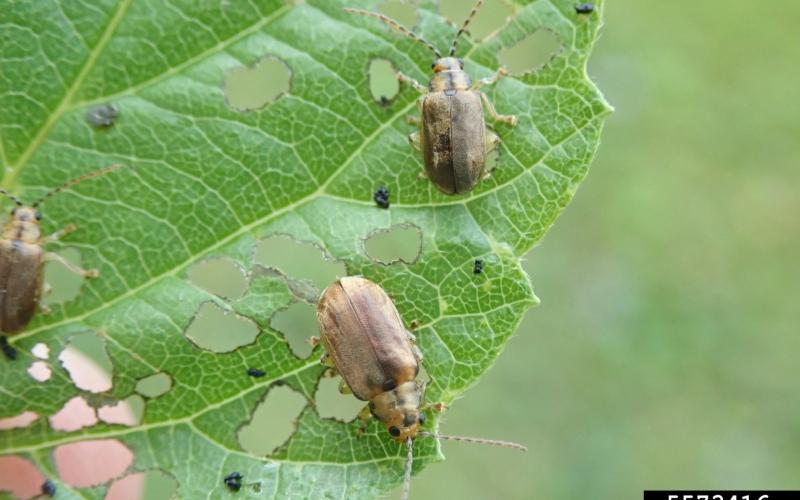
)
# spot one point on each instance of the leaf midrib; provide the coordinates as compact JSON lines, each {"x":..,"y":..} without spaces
{"x":241,"y":231}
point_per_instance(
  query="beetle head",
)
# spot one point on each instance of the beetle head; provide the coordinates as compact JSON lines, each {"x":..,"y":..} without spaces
{"x":398,"y":409}
{"x":447,"y":64}
{"x":405,"y":424}
{"x":24,"y":225}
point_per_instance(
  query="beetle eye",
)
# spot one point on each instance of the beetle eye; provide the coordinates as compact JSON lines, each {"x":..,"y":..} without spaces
{"x":433,"y":64}
{"x":13,"y":211}
{"x":38,"y":215}
{"x":421,"y":419}
{"x":394,"y":431}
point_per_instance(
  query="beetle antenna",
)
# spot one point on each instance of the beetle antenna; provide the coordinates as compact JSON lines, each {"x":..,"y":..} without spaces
{"x":11,"y":197}
{"x":77,"y":180}
{"x":407,"y":471}
{"x":395,"y":25}
{"x":468,"y":20}
{"x":493,"y":442}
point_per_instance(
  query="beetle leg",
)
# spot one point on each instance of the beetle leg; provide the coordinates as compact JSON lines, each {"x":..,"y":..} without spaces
{"x":417,"y":86}
{"x":510,"y":119}
{"x":47,"y":289}
{"x":413,"y":139}
{"x":327,"y":360}
{"x":344,"y":388}
{"x":45,"y":309}
{"x":413,"y":120}
{"x":364,"y":415}
{"x":90,"y":273}
{"x":417,"y":353}
{"x":437,"y":407}
{"x":492,"y":140}
{"x":490,"y":80}
{"x":60,"y":234}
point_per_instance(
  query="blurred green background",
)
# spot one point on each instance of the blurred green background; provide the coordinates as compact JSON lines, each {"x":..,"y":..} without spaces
{"x":665,"y":351}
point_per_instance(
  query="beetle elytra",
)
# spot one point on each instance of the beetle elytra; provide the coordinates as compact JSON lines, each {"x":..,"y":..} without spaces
{"x":22,"y":258}
{"x":452,"y":134}
{"x":366,"y":343}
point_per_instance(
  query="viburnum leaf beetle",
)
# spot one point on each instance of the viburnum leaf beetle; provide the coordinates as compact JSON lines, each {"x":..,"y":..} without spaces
{"x":453,"y":136}
{"x":366,"y":343}
{"x":22,"y":258}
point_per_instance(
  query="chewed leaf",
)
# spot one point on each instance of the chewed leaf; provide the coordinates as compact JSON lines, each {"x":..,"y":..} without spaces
{"x":216,"y":182}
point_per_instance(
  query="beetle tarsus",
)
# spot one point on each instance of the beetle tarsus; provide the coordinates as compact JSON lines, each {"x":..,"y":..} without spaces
{"x":437,"y":407}
{"x":71,"y":228}
{"x":86,"y":273}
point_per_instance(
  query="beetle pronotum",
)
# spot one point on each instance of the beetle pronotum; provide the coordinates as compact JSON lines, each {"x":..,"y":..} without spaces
{"x":452,"y":134}
{"x":22,"y":258}
{"x":366,"y":343}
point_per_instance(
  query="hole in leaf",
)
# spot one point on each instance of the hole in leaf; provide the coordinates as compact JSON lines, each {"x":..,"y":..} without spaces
{"x":297,"y":323}
{"x":217,"y":330}
{"x":490,"y":18}
{"x":87,"y":362}
{"x":75,"y":414}
{"x":402,"y":11}
{"x":247,"y":89}
{"x":18,"y":421}
{"x":40,"y":371}
{"x":20,"y":477}
{"x":531,"y":53}
{"x":91,"y":463}
{"x":150,"y":485}
{"x":220,"y":276}
{"x":154,"y":385}
{"x":333,"y":404}
{"x":128,"y":412}
{"x":299,"y":260}
{"x":382,"y":81}
{"x":273,"y":421}
{"x":64,"y":284}
{"x":423,"y":376}
{"x":41,"y":350}
{"x":399,"y":243}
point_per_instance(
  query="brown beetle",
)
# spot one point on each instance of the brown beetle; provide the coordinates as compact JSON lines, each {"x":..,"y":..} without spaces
{"x":453,"y":136}
{"x":22,"y":260}
{"x":366,"y":342}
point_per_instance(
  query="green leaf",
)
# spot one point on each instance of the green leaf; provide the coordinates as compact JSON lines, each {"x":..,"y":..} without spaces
{"x":211,"y":181}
